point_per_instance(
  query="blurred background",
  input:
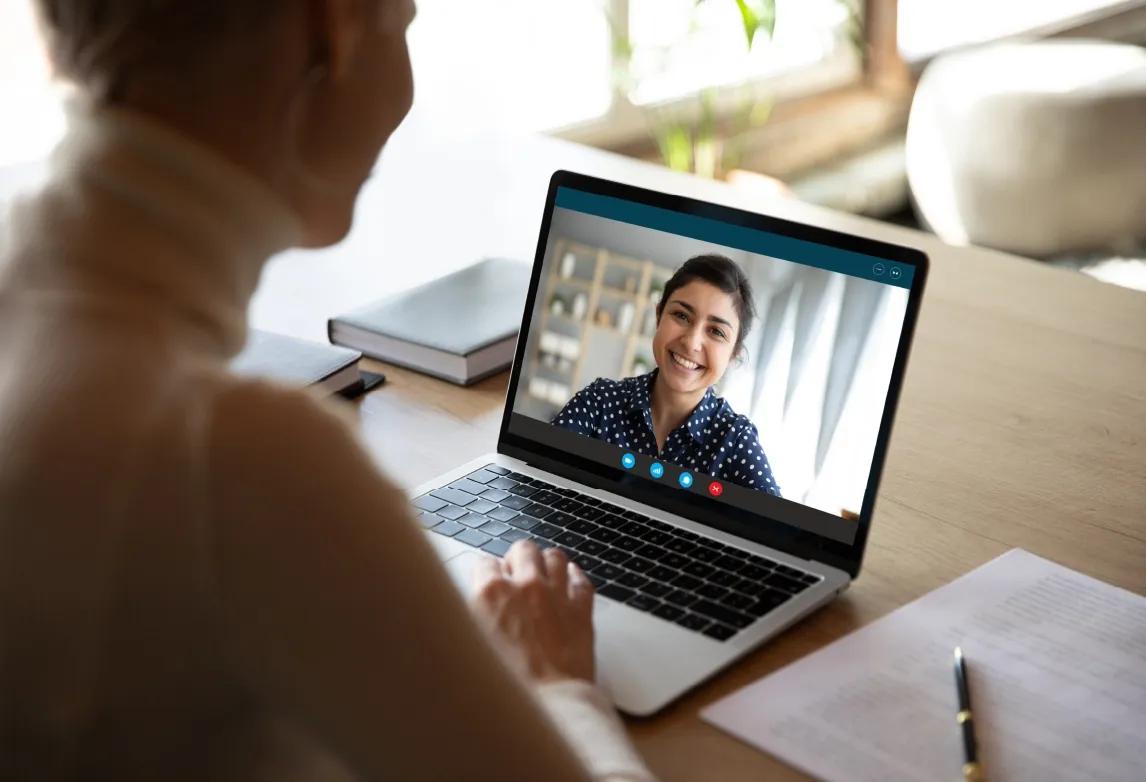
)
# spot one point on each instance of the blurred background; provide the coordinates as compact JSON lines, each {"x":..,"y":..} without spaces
{"x":817,"y":362}
{"x":1005,"y":123}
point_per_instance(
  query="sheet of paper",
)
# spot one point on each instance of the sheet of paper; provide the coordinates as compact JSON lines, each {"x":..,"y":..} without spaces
{"x":1057,"y":669}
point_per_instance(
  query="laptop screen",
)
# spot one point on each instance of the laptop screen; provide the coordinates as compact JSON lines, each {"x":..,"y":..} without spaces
{"x":707,"y":361}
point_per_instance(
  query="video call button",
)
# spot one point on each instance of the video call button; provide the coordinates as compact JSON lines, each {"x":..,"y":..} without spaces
{"x":716,"y":488}
{"x":685,"y":480}
{"x":628,"y":461}
{"x":656,"y":469}
{"x":878,"y":269}
{"x":895,"y":273}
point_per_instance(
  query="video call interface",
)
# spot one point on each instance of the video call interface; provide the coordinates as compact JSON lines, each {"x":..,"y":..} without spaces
{"x":738,"y":365}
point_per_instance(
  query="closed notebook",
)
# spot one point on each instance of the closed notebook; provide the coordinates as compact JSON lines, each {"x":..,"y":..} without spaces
{"x":461,"y":327}
{"x":299,"y":362}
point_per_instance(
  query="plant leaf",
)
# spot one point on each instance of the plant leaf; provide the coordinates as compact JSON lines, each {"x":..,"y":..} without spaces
{"x":757,"y":16}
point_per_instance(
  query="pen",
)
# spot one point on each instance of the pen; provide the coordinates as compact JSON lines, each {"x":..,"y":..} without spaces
{"x":971,"y":768}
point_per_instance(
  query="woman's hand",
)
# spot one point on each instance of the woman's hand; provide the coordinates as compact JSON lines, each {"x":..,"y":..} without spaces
{"x":538,"y":607}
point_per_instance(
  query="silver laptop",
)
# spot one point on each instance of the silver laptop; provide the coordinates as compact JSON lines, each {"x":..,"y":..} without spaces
{"x":754,"y":510}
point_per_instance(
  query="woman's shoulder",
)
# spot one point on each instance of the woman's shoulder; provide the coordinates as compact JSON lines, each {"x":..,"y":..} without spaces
{"x":737,"y":424}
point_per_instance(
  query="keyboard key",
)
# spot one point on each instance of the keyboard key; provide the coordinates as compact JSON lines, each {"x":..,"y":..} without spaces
{"x":523,"y":490}
{"x":546,"y":497}
{"x":474,"y":520}
{"x":481,"y":506}
{"x":570,"y":539}
{"x":687,"y":534}
{"x":453,"y":496}
{"x":522,"y":521}
{"x":749,"y":587}
{"x":631,"y":515}
{"x":610,"y":572}
{"x":680,"y":546}
{"x":658,"y":525}
{"x":669,"y":612}
{"x":642,"y":603}
{"x":723,"y":578}
{"x":649,"y":551}
{"x":587,"y":500}
{"x":518,"y":477}
{"x":675,"y":561}
{"x":722,"y":614}
{"x":468,"y":486}
{"x":497,"y":547}
{"x":567,"y":504}
{"x":633,"y":580}
{"x":615,"y":592}
{"x":429,"y":502}
{"x":612,"y":508}
{"x":639,"y":565}
{"x":685,"y":581}
{"x":662,"y":573}
{"x":656,"y":589}
{"x":764,"y":562}
{"x":626,"y":543}
{"x":719,"y":632}
{"x":704,"y":553}
{"x":809,"y":579}
{"x":604,"y":534}
{"x":502,"y":514}
{"x":712,"y":590}
{"x":737,"y":601}
{"x":790,"y":572}
{"x":429,"y":520}
{"x":494,"y":495}
{"x":635,"y":529}
{"x":514,"y":535}
{"x":482,"y":476}
{"x":730,"y":551}
{"x":473,"y":538}
{"x":448,"y":528}
{"x":537,"y":510}
{"x":495,"y":529}
{"x":505,"y":484}
{"x":681,"y":597}
{"x":615,"y":556}
{"x":581,"y":527}
{"x":699,"y":569}
{"x":693,"y":621}
{"x":594,"y":547}
{"x":596,"y":580}
{"x":767,"y":601}
{"x":496,"y":469}
{"x":584,"y":561}
{"x":656,"y":537}
{"x":782,"y":582}
{"x":729,"y":563}
{"x":611,"y":521}
{"x":452,"y":512}
{"x":560,"y":518}
{"x":754,"y":572}
{"x":590,"y":513}
{"x":547,"y":530}
{"x":516,"y":503}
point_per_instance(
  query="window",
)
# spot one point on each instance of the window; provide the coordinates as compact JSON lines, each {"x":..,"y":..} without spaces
{"x":34,"y":119}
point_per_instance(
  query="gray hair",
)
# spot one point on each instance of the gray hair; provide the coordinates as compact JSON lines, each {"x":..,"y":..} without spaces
{"x":101,"y":44}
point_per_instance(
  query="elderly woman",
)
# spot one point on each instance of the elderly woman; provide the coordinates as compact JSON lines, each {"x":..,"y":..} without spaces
{"x":203,"y":577}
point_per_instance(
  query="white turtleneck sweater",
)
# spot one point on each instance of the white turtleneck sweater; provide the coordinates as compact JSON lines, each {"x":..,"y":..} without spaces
{"x":203,"y":577}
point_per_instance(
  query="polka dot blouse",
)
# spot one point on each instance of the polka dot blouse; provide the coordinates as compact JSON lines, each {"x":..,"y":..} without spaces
{"x":714,"y":440}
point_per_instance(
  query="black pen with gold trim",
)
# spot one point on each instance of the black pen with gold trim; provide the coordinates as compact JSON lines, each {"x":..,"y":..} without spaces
{"x":972,"y":771}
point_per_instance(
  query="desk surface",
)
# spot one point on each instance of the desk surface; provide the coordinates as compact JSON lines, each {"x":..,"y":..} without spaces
{"x":1022,"y":420}
{"x":1022,"y":423}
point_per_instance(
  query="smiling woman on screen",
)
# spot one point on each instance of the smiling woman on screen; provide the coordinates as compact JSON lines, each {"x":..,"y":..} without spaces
{"x":204,"y":577}
{"x":672,"y":413}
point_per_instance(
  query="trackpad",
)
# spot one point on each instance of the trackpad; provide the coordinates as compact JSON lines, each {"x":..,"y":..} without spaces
{"x":461,"y":570}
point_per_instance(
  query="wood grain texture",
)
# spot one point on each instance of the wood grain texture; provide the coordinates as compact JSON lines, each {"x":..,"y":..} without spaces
{"x":1022,"y":423}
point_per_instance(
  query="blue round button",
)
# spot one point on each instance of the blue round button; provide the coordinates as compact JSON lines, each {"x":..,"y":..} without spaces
{"x":685,"y":480}
{"x":656,"y":469}
{"x":628,"y":461}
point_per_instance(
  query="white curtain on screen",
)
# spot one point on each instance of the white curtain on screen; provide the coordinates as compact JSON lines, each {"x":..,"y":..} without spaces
{"x":818,"y":364}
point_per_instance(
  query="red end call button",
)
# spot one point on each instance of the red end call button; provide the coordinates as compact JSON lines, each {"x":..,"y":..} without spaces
{"x":716,"y":488}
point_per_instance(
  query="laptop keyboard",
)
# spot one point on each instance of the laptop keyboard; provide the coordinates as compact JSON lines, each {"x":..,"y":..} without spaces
{"x":700,"y":584}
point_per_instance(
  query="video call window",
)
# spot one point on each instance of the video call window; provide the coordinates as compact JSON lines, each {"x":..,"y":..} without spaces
{"x":760,"y":372}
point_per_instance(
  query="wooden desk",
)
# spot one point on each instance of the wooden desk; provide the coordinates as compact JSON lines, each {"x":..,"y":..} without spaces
{"x":1022,"y":423}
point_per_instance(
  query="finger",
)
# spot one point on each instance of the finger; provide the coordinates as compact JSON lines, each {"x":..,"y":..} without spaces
{"x":485,"y":570}
{"x":523,"y":561}
{"x":580,"y":589}
{"x":557,"y":568}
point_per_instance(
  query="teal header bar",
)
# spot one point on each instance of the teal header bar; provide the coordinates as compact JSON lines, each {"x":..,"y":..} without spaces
{"x":754,"y":240}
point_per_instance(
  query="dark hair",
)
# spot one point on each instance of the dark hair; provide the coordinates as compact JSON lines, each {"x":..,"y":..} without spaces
{"x":723,"y":273}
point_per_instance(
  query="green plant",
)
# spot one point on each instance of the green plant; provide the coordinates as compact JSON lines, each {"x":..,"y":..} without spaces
{"x":701,"y":138}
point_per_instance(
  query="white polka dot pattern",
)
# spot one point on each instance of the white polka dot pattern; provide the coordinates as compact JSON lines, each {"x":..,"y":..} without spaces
{"x":715,"y":440}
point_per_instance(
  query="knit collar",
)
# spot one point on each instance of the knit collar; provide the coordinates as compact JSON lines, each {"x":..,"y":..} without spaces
{"x":186,"y":227}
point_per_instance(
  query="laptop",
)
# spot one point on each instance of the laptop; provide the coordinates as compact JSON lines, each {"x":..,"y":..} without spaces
{"x":698,"y":556}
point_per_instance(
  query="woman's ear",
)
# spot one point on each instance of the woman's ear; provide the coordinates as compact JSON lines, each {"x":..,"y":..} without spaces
{"x":336,"y":35}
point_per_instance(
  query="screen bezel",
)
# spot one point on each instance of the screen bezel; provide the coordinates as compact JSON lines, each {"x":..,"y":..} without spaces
{"x":615,"y":479}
